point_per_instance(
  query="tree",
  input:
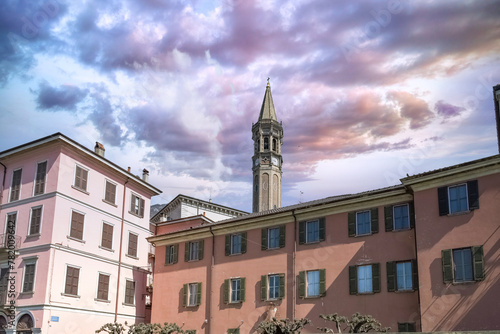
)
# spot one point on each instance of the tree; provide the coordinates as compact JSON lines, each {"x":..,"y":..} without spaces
{"x":358,"y":323}
{"x":283,"y":326}
{"x":117,"y":328}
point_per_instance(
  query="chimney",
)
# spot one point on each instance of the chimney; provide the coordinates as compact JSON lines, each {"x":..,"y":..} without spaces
{"x":128,"y":169}
{"x":99,"y":149}
{"x":496,"y":101}
{"x":145,"y":175}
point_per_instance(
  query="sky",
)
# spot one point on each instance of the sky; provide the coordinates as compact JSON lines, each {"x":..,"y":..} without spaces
{"x":368,"y":91}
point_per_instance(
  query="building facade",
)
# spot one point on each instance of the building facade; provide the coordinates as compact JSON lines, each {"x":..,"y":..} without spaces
{"x":79,"y":222}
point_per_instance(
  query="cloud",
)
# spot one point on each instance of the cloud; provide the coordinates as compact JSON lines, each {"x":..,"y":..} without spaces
{"x":412,"y":108}
{"x":447,"y":110}
{"x":64,"y":97}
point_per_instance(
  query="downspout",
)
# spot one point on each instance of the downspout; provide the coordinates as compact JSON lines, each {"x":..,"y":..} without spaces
{"x":121,"y":246}
{"x":209,"y":284}
{"x":3,"y":181}
{"x":294,"y":276}
{"x":416,"y":255}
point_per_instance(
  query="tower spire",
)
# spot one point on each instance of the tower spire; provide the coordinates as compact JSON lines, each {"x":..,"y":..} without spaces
{"x":267,"y":110}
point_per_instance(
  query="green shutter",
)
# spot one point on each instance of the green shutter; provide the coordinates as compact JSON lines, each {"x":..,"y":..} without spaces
{"x":302,"y":284}
{"x":264,"y":239}
{"x":167,"y":254}
{"x":447,"y":266}
{"x":242,"y":289}
{"x":374,"y":218}
{"x":200,"y":249}
{"x":186,"y":251}
{"x":443,"y":201}
{"x":411,"y":212}
{"x":414,"y":276}
{"x":233,"y":331}
{"x":184,"y":295}
{"x":322,"y":282}
{"x":376,"y":277}
{"x":473,"y":195}
{"x":282,"y":236}
{"x":351,"y":224}
{"x":353,"y":280}
{"x":243,"y":242}
{"x":302,"y":233}
{"x":176,"y":253}
{"x":198,"y":294}
{"x":411,"y":327}
{"x":322,"y":229}
{"x":401,"y":327}
{"x":388,"y":214}
{"x":477,"y":253}
{"x":263,"y":287}
{"x":391,"y":276}
{"x":228,"y":245}
{"x":282,"y":286}
{"x":226,"y":291}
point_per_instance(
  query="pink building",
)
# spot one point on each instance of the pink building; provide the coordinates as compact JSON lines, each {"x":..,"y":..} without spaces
{"x":74,"y":251}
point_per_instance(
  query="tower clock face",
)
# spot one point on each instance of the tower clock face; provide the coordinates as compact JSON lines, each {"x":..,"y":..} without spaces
{"x":256,"y":162}
{"x":274,"y":161}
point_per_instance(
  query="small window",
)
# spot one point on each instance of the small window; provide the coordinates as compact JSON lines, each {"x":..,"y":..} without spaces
{"x":81,"y":177}
{"x":364,"y":279}
{"x":234,"y":290}
{"x":274,"y":145}
{"x":192,"y":294}
{"x":406,"y":327}
{"x":72,"y":278}
{"x":35,"y":221}
{"x":312,"y":283}
{"x":458,"y":198}
{"x":266,"y":143}
{"x":171,"y":254}
{"x":193,"y":250}
{"x":10,"y":228}
{"x":132,"y":244}
{"x":273,"y":238}
{"x":110,"y":192}
{"x":312,"y":280}
{"x":363,"y":223}
{"x":236,"y":243}
{"x":41,"y":171}
{"x":137,"y":206}
{"x":272,"y":286}
{"x":107,"y":236}
{"x":29,"y":277}
{"x":402,"y":276}
{"x":15,"y":189}
{"x":401,"y":217}
{"x":365,"y":284}
{"x":76,"y":230}
{"x":129,"y":292}
{"x":312,"y":231}
{"x":103,"y":287}
{"x":463,"y":264}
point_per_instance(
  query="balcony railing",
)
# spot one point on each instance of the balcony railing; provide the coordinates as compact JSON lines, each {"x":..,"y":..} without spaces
{"x":9,"y":242}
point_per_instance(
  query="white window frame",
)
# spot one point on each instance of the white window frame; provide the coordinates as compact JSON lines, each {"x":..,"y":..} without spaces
{"x":125,"y":291}
{"x":128,"y":244}
{"x":69,"y":230}
{"x":236,"y":291}
{"x":28,"y":261}
{"x":405,"y":288}
{"x":369,"y":222}
{"x":74,"y":177}
{"x":277,"y":288}
{"x":466,"y":198}
{"x":66,"y":277}
{"x":34,"y":178}
{"x":171,"y":256}
{"x":193,"y":255}
{"x":192,"y":297}
{"x":112,"y":239}
{"x":269,"y":238}
{"x":231,"y":240}
{"x":307,"y":284}
{"x":41,"y":220}
{"x":12,"y":183}
{"x":97,"y":287}
{"x":104,"y":193}
{"x":369,"y":269}
{"x":455,"y":265}
{"x":394,"y":217}
{"x":309,"y":223}
{"x":132,"y":196}
{"x":7,"y":221}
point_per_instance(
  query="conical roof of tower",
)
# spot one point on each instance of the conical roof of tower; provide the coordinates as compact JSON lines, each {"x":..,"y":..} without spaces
{"x":267,"y":109}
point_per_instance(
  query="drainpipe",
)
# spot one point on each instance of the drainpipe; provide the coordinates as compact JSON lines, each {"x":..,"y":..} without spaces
{"x":209,"y":284}
{"x":121,"y":246}
{"x":294,"y":276}
{"x":416,"y":256}
{"x":3,"y":181}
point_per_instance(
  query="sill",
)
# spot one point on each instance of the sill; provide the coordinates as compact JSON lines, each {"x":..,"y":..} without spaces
{"x":81,"y":190}
{"x":463,"y":282}
{"x":363,"y":235}
{"x":194,"y":260}
{"x":75,"y":239}
{"x":127,"y":304}
{"x":460,"y":213}
{"x":68,"y":295}
{"x":110,"y":203}
{"x":405,"y":291}
{"x":274,"y":248}
{"x":401,"y":229}
{"x":35,"y":235}
{"x":311,"y":242}
{"x":35,"y":195}
{"x":135,"y":214}
{"x":365,"y":293}
{"x":192,"y":306}
{"x":107,"y":249}
{"x":237,"y":302}
{"x":102,"y":300}
{"x":132,"y":257}
{"x":235,"y":254}
{"x":27,"y":293}
{"x":170,"y":264}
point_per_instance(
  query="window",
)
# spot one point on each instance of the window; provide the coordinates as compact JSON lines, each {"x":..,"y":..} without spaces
{"x":129,"y":292}
{"x":458,"y":198}
{"x":399,"y":217}
{"x":193,"y":251}
{"x":273,"y":238}
{"x":76,"y":230}
{"x":272,"y":286}
{"x":107,"y":236}
{"x":103,"y":287}
{"x":41,"y":171}
{"x":110,"y":192}
{"x":132,"y":244}
{"x":363,"y":222}
{"x":312,"y":283}
{"x":236,"y":243}
{"x":29,"y":277}
{"x":274,"y":145}
{"x":10,"y":228}
{"x":402,"y":276}
{"x":15,"y":189}
{"x":266,"y":143}
{"x":233,"y":331}
{"x":364,"y":279}
{"x":192,"y":294}
{"x":81,"y":176}
{"x":406,"y":327}
{"x":72,"y":277}
{"x":137,"y":206}
{"x":171,"y":254}
{"x":35,"y":221}
{"x":312,"y":231}
{"x":234,"y":290}
{"x":463,"y":264}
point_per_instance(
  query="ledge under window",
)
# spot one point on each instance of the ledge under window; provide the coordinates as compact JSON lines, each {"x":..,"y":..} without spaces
{"x":102,"y":300}
{"x":75,"y":239}
{"x":80,"y":190}
{"x":127,"y":304}
{"x":460,"y":213}
{"x":68,"y":295}
{"x":135,"y":214}
{"x":110,"y":203}
{"x":26,"y":293}
{"x":35,"y":235}
{"x":107,"y":249}
{"x":132,"y":256}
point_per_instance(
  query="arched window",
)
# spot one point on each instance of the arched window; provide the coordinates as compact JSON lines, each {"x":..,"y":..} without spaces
{"x":274,"y":144}
{"x":266,"y":143}
{"x":3,"y":324}
{"x":25,"y":324}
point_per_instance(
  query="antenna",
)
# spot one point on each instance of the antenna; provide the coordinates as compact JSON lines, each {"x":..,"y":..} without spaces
{"x":300,"y":198}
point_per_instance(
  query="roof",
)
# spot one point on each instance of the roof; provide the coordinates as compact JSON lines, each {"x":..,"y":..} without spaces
{"x":59,"y":136}
{"x":267,"y":110}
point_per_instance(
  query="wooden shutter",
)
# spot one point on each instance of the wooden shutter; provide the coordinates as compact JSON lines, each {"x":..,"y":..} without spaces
{"x":186,"y":251}
{"x":40,"y":178}
{"x":200,"y":249}
{"x":29,"y":278}
{"x":167,"y":254}
{"x":414,"y":274}
{"x":263,"y":287}
{"x":391,"y":276}
{"x":477,"y":255}
{"x":103,"y":287}
{"x":184,"y":295}
{"x":16,"y":185}
{"x":353,"y":280}
{"x":198,"y":294}
{"x":228,"y":245}
{"x":76,"y":225}
{"x":411,"y":212}
{"x":282,"y":236}
{"x":302,"y":233}
{"x":36,"y":215}
{"x":447,"y":266}
{"x":176,"y":253}
{"x":302,"y":284}
{"x":72,"y":277}
{"x":141,"y":207}
{"x":132,"y":244}
{"x":389,"y":218}
{"x":351,"y":224}
{"x":282,"y":286}
{"x":264,"y":239}
{"x":243,"y":242}
{"x":85,"y":175}
{"x":322,"y":231}
{"x":132,"y":204}
{"x":110,"y":193}
{"x":374,"y":220}
{"x":401,"y":327}
{"x":443,"y":201}
{"x":226,"y":291}
{"x":411,"y":327}
{"x":107,"y":236}
{"x":242,"y":289}
{"x":322,"y":282}
{"x":376,"y":277}
{"x":473,"y":195}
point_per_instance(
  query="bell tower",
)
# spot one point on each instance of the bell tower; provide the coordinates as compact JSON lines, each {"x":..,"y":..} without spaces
{"x":267,"y":135}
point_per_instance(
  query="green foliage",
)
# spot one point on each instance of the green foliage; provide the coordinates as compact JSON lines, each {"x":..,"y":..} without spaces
{"x":358,"y":323}
{"x":116,"y":328}
{"x":283,"y":326}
